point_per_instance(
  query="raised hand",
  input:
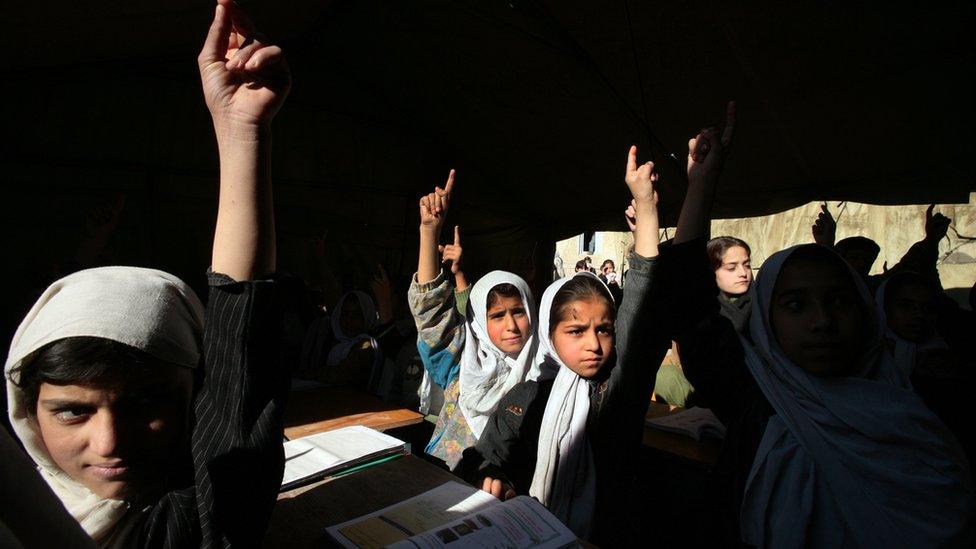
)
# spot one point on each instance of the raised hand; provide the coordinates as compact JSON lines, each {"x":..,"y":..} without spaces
{"x":245,"y":79}
{"x":104,"y":220}
{"x":824,"y":228}
{"x":707,"y":150}
{"x":640,"y":180}
{"x":936,"y":225}
{"x":383,"y":292}
{"x":630,"y":214}
{"x":451,"y":253}
{"x":434,"y":206}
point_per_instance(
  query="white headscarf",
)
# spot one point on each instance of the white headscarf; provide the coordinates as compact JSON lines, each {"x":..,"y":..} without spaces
{"x":487,"y":374}
{"x":346,"y":342}
{"x":905,"y":352}
{"x":150,"y":310}
{"x":847,"y":460}
{"x":565,"y":477}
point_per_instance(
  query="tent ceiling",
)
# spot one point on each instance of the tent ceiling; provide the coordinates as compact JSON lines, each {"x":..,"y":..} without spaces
{"x":535,"y":103}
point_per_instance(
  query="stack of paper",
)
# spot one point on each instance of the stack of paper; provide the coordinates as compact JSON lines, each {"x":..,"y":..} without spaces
{"x":317,"y":456}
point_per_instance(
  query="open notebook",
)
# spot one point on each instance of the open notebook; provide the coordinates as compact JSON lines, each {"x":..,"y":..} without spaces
{"x":694,"y":422}
{"x":455,"y":515}
{"x":311,"y":458}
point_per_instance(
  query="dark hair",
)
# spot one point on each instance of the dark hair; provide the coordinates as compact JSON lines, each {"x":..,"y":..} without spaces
{"x":857,"y":243}
{"x":579,"y":288}
{"x":77,"y":360}
{"x":581,"y":265}
{"x":717,"y":247}
{"x":502,"y":290}
{"x":610,"y":261}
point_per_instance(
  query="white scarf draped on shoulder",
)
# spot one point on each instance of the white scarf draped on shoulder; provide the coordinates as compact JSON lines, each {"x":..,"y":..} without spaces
{"x":847,"y":461}
{"x":147,"y":309}
{"x":565,"y":477}
{"x":487,"y":374}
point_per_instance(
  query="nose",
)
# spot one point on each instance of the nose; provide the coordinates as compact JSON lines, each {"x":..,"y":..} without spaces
{"x":743,"y":271}
{"x":510,"y":323}
{"x":822,"y":317}
{"x":591,"y":342}
{"x":104,"y":438}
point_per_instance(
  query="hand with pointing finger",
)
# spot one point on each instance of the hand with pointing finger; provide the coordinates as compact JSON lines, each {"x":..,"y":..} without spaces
{"x":434,"y":206}
{"x":630,"y":214}
{"x":707,"y":150}
{"x":640,"y":179}
{"x":824,"y":228}
{"x":451,"y":253}
{"x":245,"y":79}
{"x":936,"y":225}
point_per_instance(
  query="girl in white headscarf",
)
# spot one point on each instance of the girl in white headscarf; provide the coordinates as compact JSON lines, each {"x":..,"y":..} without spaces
{"x":155,"y":423}
{"x":475,"y":355}
{"x":568,"y":441}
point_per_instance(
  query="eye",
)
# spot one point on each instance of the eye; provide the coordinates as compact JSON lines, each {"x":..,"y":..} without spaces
{"x":605,"y":330}
{"x":792,"y":305}
{"x":72,"y":415}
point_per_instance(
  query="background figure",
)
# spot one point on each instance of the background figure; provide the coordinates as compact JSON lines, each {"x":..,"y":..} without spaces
{"x":609,"y":276}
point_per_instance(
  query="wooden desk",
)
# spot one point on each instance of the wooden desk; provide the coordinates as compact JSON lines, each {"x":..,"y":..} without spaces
{"x":301,"y":515}
{"x":318,"y":410}
{"x":702,"y":453}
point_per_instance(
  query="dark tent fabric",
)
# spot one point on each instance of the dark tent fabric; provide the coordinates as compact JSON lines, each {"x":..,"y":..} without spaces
{"x":535,"y":104}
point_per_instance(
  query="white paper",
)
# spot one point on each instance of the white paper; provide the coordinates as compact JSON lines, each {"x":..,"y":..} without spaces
{"x":446,"y":503}
{"x":518,"y":523}
{"x":310,"y":455}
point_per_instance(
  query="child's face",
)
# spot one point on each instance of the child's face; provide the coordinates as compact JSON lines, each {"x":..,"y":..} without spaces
{"x":508,"y":324}
{"x":734,"y":275}
{"x":910,"y":313}
{"x":117,"y":437}
{"x":351,"y":319}
{"x":816,"y":316}
{"x":584,"y":338}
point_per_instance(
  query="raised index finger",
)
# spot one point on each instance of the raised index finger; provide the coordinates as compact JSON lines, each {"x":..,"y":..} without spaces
{"x":449,"y":186}
{"x":928,"y":212}
{"x":729,"y":130}
{"x":632,"y":159}
{"x":215,"y":45}
{"x":457,"y":235}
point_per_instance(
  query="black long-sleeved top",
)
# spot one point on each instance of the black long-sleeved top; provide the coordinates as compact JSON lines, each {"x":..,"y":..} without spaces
{"x":236,"y":439}
{"x":714,"y":362}
{"x":619,"y":397}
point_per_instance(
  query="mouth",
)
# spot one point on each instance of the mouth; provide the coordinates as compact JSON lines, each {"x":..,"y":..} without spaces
{"x":512,"y":340}
{"x":109,"y":470}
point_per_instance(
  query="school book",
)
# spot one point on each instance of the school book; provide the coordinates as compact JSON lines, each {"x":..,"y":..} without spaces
{"x":314,"y":457}
{"x":455,"y":515}
{"x":694,"y":422}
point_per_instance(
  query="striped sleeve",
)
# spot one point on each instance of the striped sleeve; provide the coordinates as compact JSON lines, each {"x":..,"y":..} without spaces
{"x":236,"y":441}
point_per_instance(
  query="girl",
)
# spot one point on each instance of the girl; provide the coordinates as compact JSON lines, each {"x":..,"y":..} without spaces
{"x":102,"y":371}
{"x":569,"y":441}
{"x":475,"y":358}
{"x":730,"y":259}
{"x":827,"y":445}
